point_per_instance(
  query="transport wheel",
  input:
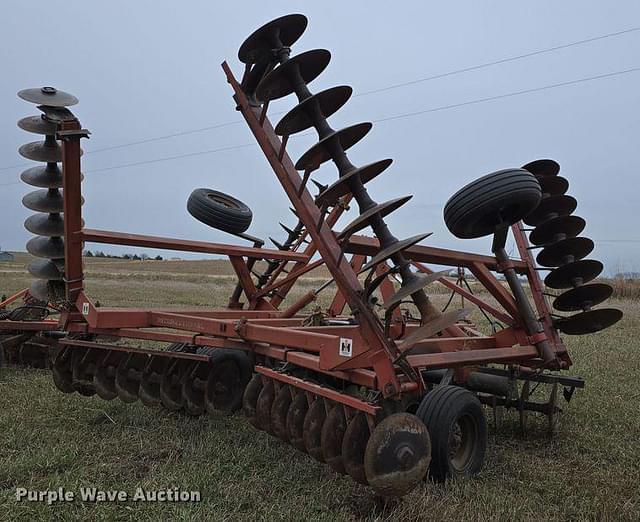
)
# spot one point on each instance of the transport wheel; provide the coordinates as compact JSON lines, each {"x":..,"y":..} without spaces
{"x":219,"y":210}
{"x":229,"y":374}
{"x":62,"y":371}
{"x":492,"y":202}
{"x":250,"y":399}
{"x":295,"y":420}
{"x":458,"y":431}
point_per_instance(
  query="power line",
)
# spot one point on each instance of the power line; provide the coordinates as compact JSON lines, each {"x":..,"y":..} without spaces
{"x":379,"y":120}
{"x":366,"y":93}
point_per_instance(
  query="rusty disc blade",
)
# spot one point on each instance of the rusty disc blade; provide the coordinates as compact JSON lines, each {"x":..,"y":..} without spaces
{"x":565,"y":251}
{"x":551,"y":207}
{"x":320,"y":152}
{"x":44,"y":269}
{"x":104,"y":377}
{"x":126,"y":383}
{"x":301,"y":116}
{"x":553,"y":186}
{"x":45,"y":200}
{"x":354,"y":444}
{"x":331,"y":438}
{"x":340,"y":188}
{"x":41,"y":151}
{"x":263,"y":406}
{"x":393,"y":249}
{"x":279,"y":410}
{"x":43,"y":176}
{"x":418,"y":283}
{"x":250,"y":399}
{"x":398,"y":454}
{"x":312,"y":429}
{"x":283,"y":31}
{"x":62,"y":372}
{"x":543,"y":168}
{"x":149,"y":389}
{"x":557,"y":229}
{"x":50,"y":247}
{"x":280,"y":81}
{"x":364,"y":219}
{"x":48,"y":96}
{"x":582,"y":297}
{"x":45,"y":224}
{"x":295,"y":420}
{"x":37,"y":125}
{"x":574,"y":274}
{"x":588,"y":322}
{"x":40,"y":289}
{"x":225,"y":384}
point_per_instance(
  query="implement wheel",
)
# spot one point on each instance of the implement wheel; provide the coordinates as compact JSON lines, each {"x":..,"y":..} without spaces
{"x":458,"y":431}
{"x":228,"y":378}
{"x":492,"y":202}
{"x":219,"y":210}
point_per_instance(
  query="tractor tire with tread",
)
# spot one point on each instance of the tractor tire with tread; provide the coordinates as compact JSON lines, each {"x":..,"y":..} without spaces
{"x":219,"y":210}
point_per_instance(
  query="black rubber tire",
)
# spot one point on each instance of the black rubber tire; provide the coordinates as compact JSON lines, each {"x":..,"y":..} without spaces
{"x":492,"y":202}
{"x":220,"y":359}
{"x":442,"y":410}
{"x":219,"y":210}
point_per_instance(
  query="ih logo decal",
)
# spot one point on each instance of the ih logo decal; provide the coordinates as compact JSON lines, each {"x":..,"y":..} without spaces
{"x":346,"y":347}
{"x":85,"y":308}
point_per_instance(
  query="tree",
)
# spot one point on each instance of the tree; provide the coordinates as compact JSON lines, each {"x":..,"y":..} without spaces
{"x":88,"y":253}
{"x":158,"y":258}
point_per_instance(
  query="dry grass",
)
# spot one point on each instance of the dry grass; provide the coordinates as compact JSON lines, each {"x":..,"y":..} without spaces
{"x":591,"y":471}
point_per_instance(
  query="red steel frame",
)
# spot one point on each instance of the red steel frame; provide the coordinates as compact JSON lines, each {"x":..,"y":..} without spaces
{"x":265,"y":330}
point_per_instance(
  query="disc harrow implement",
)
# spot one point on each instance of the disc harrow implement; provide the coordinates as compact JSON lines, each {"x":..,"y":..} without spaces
{"x":376,"y":381}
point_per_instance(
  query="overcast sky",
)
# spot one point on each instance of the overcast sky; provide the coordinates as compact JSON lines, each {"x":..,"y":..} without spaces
{"x":143,"y":69}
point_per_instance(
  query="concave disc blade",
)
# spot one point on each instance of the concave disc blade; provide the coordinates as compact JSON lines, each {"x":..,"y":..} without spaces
{"x":299,"y":118}
{"x":44,"y":201}
{"x":553,"y":186}
{"x":588,"y":322}
{"x":331,"y":438}
{"x":44,"y":269}
{"x":48,"y":96}
{"x":44,"y":176}
{"x":295,"y":420}
{"x":320,"y":152}
{"x":283,"y":31}
{"x":354,"y":444}
{"x":363,"y":220}
{"x":582,"y":297}
{"x":312,"y":429}
{"x":45,"y":225}
{"x":41,"y":151}
{"x":393,"y":249}
{"x":556,"y":229}
{"x":37,"y":125}
{"x":574,"y":274}
{"x":49,"y":247}
{"x":280,"y":82}
{"x":419,"y":282}
{"x":551,"y":207}
{"x":279,"y":410}
{"x":340,"y":188}
{"x":565,"y":251}
{"x":542,"y":168}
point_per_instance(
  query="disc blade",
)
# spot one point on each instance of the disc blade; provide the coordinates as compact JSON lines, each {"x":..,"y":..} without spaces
{"x":50,"y":201}
{"x":295,"y":420}
{"x":341,"y":187}
{"x":419,"y":282}
{"x":393,"y":249}
{"x":45,"y":225}
{"x":283,"y":31}
{"x":263,"y":406}
{"x":279,"y":410}
{"x":280,"y":81}
{"x":354,"y":444}
{"x":582,"y":297}
{"x":553,"y":186}
{"x":320,"y":152}
{"x":574,"y":274}
{"x":41,"y":151}
{"x":551,"y":207}
{"x":40,"y":290}
{"x":301,"y":116}
{"x":49,"y":247}
{"x":37,"y":125}
{"x":565,"y":251}
{"x":364,"y":219}
{"x":44,"y":176}
{"x":556,"y":229}
{"x":48,"y":96}
{"x":542,"y":168}
{"x":44,"y":269}
{"x":312,"y":429}
{"x":332,"y":436}
{"x":433,"y":327}
{"x":588,"y":322}
{"x":398,"y":455}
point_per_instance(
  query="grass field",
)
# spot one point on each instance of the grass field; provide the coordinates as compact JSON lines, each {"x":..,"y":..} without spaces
{"x":50,"y":440}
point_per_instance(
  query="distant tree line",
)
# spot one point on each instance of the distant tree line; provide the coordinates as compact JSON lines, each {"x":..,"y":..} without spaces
{"x":131,"y":257}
